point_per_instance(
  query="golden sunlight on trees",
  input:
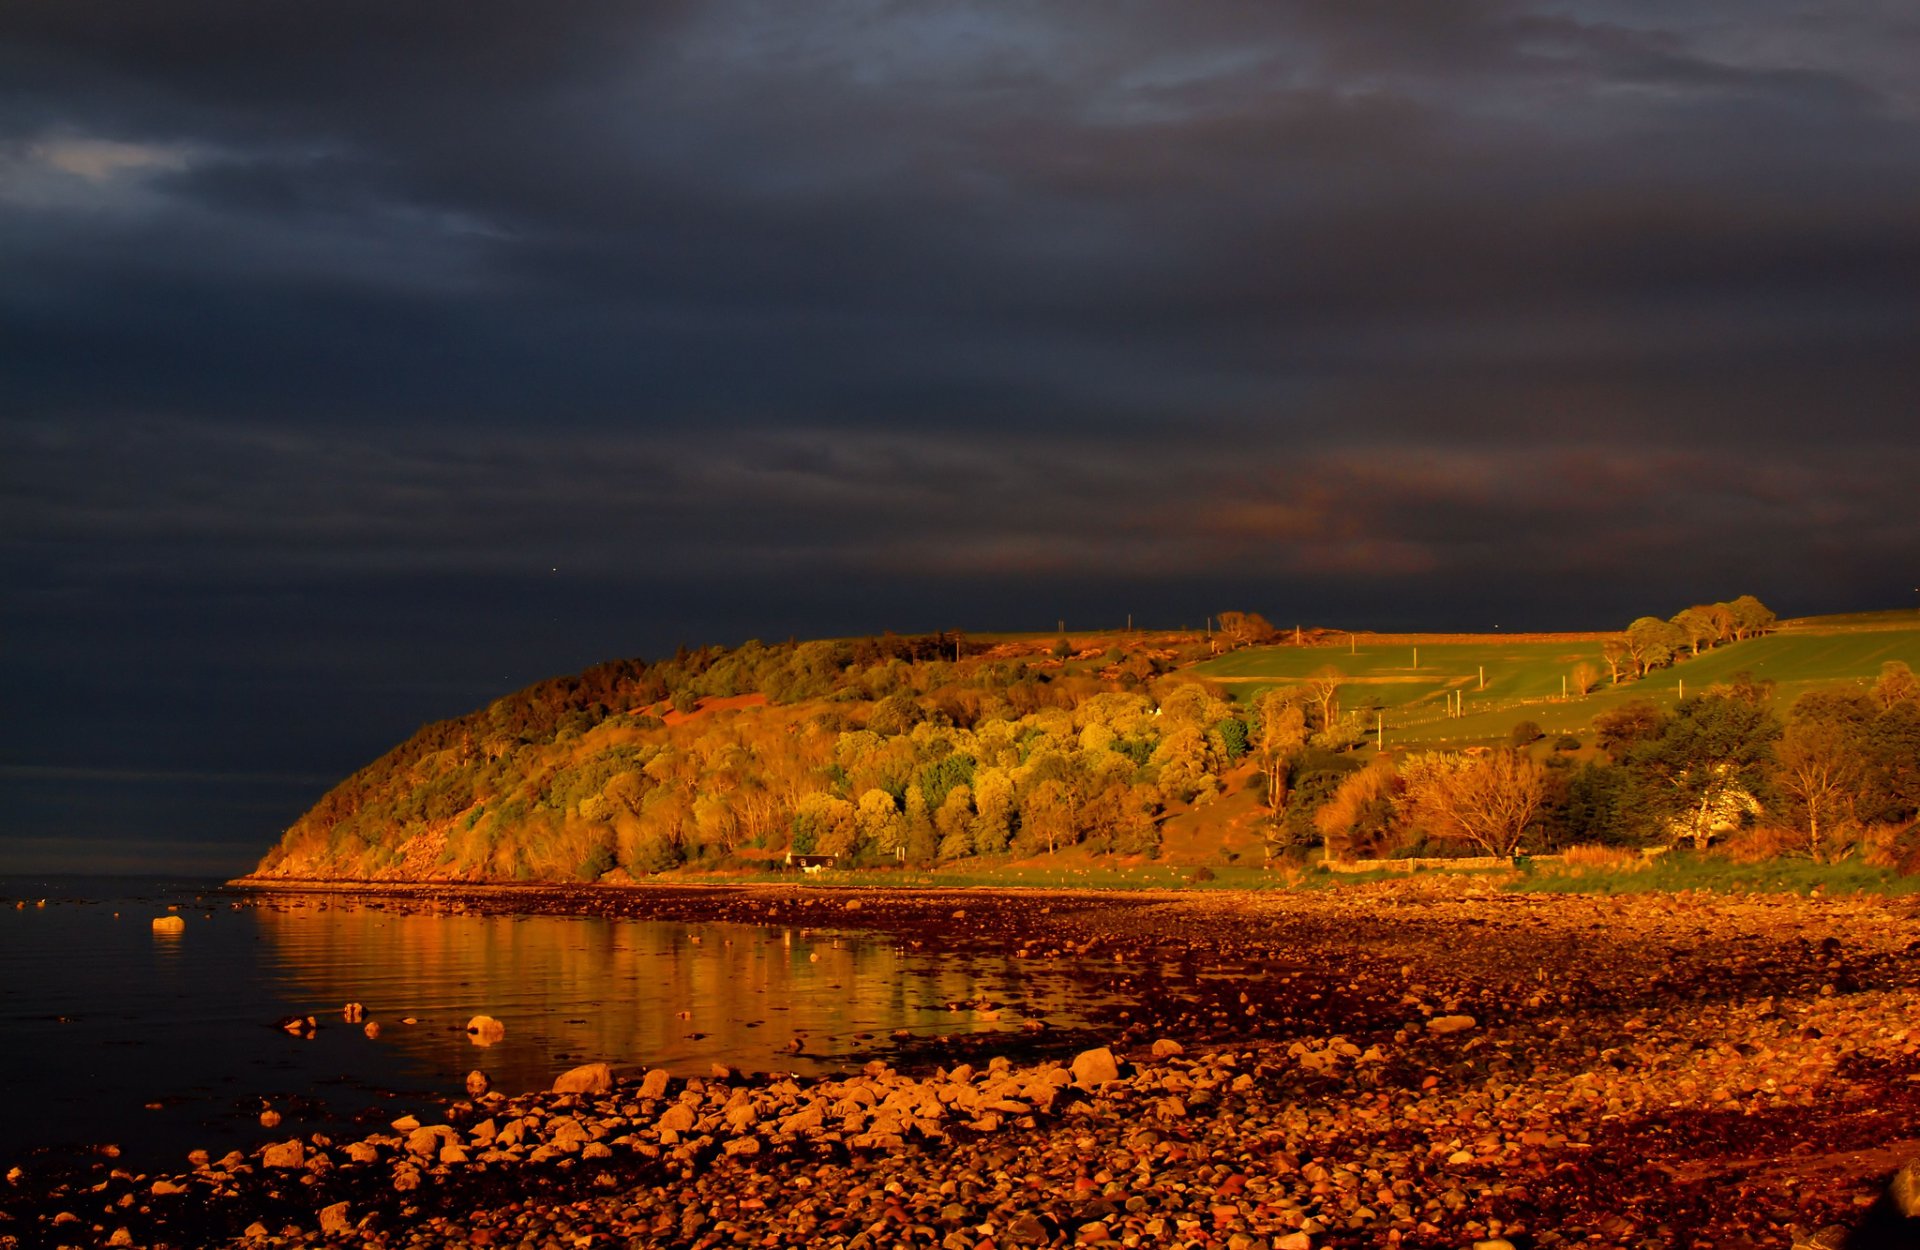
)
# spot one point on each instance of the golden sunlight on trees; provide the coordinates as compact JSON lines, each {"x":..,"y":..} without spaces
{"x":1614,"y":652}
{"x":1584,"y":677}
{"x":1357,"y":820}
{"x":1485,"y":801}
{"x":1323,"y":691}
{"x":1817,"y":769}
{"x":1245,"y":628}
{"x":1282,"y":734}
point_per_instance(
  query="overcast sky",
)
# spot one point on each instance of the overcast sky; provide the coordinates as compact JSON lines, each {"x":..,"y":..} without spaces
{"x":362,"y":361}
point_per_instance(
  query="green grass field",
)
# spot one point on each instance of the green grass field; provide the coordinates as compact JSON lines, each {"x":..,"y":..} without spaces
{"x":1677,"y":872}
{"x":1408,"y":687}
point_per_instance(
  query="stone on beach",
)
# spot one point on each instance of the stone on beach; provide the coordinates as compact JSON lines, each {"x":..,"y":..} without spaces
{"x":169,"y":924}
{"x":477,"y":1083}
{"x":1451,"y":1024}
{"x":291,"y":1153}
{"x":1095,"y":1067}
{"x":588,"y":1078}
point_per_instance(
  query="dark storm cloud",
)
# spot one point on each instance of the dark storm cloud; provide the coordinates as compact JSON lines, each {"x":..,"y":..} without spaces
{"x":364,"y":359}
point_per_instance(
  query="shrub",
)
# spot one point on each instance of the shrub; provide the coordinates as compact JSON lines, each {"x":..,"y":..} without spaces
{"x":1526,"y":732}
{"x":1201,"y":874}
{"x":1589,"y":857}
{"x":1567,"y":742}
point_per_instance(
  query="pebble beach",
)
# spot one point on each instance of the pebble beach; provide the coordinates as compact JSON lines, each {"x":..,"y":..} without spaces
{"x":1419,"y":1063}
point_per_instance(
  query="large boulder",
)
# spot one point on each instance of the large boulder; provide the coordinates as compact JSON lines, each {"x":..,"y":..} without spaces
{"x":588,"y":1078}
{"x":286,"y":1154}
{"x":1095,"y":1067}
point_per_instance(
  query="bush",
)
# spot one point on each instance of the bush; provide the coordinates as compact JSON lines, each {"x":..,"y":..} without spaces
{"x":1591,"y":857}
{"x":1567,"y":742}
{"x":1526,"y":732}
{"x":1201,"y":874}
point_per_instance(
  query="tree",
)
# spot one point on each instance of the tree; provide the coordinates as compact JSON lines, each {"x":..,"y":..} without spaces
{"x":1651,"y":643}
{"x":1705,"y":772}
{"x":1323,"y":691}
{"x":1720,"y":616}
{"x":1357,"y":818}
{"x":1047,"y":815}
{"x":1584,"y":677}
{"x":1750,"y":617}
{"x":1282,"y":733}
{"x":1614,"y":652}
{"x":1180,"y":764}
{"x":1485,"y":801}
{"x":1134,"y":830}
{"x":993,"y":811}
{"x":923,"y":840}
{"x":1695,"y":627}
{"x":880,"y":824}
{"x":953,"y":820}
{"x":1896,"y":685}
{"x":1344,"y":734}
{"x":1818,"y":767}
{"x":1618,"y":731}
{"x":1245,"y":628}
{"x":825,"y":825}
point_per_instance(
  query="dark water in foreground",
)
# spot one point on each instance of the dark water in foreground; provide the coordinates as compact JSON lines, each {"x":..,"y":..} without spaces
{"x":112,"y":1032}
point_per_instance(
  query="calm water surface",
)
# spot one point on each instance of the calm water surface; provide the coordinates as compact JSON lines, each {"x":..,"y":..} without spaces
{"x":158,"y":1042}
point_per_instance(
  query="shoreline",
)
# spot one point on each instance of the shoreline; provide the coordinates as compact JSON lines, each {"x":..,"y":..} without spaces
{"x":1665,"y":1070}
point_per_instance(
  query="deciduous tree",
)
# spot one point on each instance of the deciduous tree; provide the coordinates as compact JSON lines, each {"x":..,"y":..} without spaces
{"x":1282,"y":733}
{"x":1484,"y":801}
{"x":1323,"y":691}
{"x":1818,"y":766}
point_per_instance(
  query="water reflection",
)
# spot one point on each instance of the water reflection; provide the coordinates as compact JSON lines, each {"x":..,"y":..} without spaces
{"x":634,"y":993}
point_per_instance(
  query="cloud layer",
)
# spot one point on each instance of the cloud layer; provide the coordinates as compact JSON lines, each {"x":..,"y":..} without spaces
{"x":362,"y":357}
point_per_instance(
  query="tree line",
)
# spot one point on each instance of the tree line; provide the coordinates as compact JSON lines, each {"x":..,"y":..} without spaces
{"x":1838,"y":774}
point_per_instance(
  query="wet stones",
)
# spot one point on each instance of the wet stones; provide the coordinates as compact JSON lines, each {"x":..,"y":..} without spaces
{"x":484,"y":1030}
{"x":477,"y":1083}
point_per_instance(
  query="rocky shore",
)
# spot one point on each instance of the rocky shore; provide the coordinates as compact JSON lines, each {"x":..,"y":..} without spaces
{"x":1424,"y":1063}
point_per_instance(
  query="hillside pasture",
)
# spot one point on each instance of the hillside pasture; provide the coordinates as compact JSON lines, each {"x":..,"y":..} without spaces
{"x":1523,"y":677}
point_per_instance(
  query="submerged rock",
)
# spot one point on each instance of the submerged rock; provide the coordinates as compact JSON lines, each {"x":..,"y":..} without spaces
{"x":485,"y":1030}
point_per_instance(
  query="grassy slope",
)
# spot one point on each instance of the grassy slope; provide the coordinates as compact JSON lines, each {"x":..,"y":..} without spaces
{"x":1523,"y":677}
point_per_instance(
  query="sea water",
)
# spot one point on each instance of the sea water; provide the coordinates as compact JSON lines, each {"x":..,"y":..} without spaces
{"x":114,"y":1032}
